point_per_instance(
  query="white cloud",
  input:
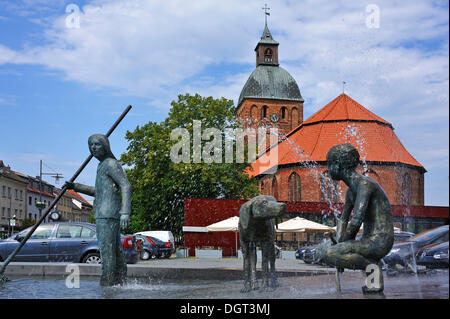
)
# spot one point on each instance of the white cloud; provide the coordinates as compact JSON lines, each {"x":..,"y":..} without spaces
{"x":158,"y":49}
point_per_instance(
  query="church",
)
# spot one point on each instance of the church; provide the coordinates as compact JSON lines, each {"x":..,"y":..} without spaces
{"x":271,"y":98}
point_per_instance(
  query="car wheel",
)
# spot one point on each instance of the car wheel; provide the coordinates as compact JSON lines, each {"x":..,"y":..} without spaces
{"x":146,"y":255}
{"x":92,"y":258}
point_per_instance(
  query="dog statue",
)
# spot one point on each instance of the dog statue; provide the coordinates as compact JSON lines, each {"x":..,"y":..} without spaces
{"x":256,"y":226}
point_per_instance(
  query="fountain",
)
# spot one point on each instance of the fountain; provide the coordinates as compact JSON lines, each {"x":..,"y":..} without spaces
{"x":429,"y":285}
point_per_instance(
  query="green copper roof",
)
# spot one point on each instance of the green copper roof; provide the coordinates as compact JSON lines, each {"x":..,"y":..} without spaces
{"x":270,"y":82}
{"x":266,"y":37}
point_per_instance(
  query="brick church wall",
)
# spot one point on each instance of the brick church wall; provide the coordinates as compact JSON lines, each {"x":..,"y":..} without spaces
{"x":252,"y":109}
{"x":388,"y":176}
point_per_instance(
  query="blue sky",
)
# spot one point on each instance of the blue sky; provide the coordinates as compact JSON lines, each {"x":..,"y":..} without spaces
{"x":59,"y":85}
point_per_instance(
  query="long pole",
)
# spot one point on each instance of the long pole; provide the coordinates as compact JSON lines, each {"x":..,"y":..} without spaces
{"x":63,"y":190}
{"x":40,"y":188}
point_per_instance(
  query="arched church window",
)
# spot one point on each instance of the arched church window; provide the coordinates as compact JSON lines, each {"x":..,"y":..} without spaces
{"x":268,"y":55}
{"x":405,"y":195}
{"x":253,"y":112}
{"x":328,"y":189}
{"x":283,"y":112}
{"x":294,"y":116}
{"x":264,"y":111}
{"x":294,"y":188}
{"x":275,"y":188}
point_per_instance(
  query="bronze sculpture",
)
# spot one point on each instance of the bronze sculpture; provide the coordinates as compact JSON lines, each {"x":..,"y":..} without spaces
{"x":256,"y":226}
{"x":49,"y":209}
{"x":112,"y":206}
{"x":370,"y":205}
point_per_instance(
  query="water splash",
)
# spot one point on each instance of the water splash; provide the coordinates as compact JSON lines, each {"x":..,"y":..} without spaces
{"x":331,"y":191}
{"x":354,"y":133}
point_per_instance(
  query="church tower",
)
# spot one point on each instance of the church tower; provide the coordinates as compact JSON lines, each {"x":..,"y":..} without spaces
{"x":271,"y":96}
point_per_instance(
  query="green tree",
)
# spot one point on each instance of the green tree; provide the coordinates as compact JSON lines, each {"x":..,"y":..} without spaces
{"x":160,"y":185}
{"x":27,"y":222}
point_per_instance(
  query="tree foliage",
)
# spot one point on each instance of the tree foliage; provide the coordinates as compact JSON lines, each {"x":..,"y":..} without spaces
{"x":160,"y":185}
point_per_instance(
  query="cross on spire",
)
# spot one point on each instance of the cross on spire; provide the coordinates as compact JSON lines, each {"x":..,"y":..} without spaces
{"x":267,"y":13}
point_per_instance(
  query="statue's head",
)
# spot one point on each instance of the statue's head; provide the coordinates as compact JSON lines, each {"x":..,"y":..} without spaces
{"x":340,"y":159}
{"x":99,"y":146}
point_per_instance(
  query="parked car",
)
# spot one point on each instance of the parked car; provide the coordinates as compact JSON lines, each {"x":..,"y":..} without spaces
{"x":307,"y":253}
{"x":434,"y":256}
{"x":146,"y":247}
{"x":63,"y":242}
{"x":165,"y":236}
{"x":152,"y":247}
{"x":406,"y":253}
{"x":400,"y":236}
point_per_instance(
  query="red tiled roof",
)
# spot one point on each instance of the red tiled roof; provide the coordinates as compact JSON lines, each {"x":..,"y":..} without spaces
{"x":35,"y":190}
{"x":20,"y":174}
{"x":71,"y":191}
{"x":343,"y":120}
{"x":344,"y":108}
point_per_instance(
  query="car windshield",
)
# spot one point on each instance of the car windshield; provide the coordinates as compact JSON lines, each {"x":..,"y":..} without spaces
{"x":429,"y":234}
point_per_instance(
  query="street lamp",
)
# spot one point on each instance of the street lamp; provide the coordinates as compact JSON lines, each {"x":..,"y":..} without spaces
{"x":41,"y":205}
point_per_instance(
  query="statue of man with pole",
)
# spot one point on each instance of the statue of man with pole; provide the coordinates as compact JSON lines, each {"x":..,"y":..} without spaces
{"x":112,"y":206}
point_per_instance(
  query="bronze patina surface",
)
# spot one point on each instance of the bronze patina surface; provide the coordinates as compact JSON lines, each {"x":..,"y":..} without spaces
{"x":256,"y":226}
{"x":370,"y":206}
{"x":112,"y":206}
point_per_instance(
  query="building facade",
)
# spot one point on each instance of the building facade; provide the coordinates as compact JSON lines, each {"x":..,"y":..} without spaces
{"x":64,"y":205}
{"x":39,"y":192}
{"x":81,"y":208}
{"x":23,"y":196}
{"x":13,"y":188}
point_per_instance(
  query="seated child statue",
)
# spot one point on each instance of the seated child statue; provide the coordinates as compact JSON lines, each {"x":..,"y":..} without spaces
{"x":370,"y":206}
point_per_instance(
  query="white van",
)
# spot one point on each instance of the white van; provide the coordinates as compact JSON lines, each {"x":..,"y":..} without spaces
{"x":163,"y":235}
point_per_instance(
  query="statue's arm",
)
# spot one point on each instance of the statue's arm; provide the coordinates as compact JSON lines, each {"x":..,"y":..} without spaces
{"x":118,"y":175}
{"x":81,"y":188}
{"x":348,"y":207}
{"x":359,"y":210}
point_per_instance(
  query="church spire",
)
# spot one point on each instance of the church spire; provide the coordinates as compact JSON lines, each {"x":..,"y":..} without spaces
{"x":267,"y":48}
{"x":266,"y":36}
{"x":266,"y":13}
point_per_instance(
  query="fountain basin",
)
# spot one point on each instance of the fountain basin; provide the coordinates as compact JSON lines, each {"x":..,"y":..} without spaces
{"x":191,"y":278}
{"x":431,"y":285}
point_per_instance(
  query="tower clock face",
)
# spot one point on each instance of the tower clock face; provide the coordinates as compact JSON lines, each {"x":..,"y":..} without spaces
{"x":274,"y":117}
